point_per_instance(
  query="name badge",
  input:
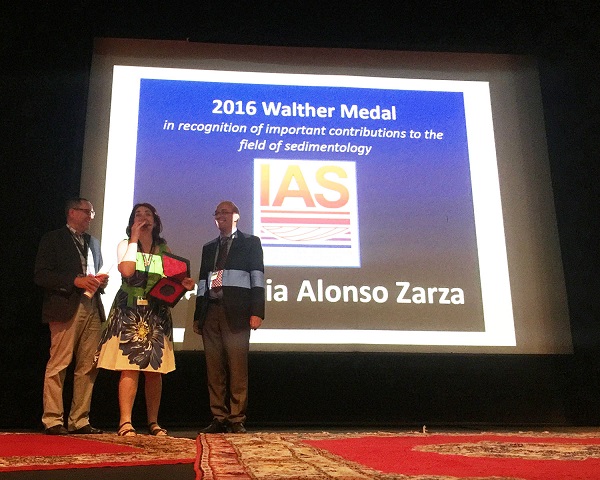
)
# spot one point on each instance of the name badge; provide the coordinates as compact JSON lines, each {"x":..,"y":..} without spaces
{"x":212,"y":278}
{"x":142,"y":301}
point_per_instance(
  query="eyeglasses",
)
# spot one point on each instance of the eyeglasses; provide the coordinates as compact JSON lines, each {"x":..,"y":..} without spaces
{"x":87,"y":211}
{"x":222,"y":212}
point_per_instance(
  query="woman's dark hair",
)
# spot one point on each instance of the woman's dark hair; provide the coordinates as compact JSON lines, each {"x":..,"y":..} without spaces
{"x":156,"y":238}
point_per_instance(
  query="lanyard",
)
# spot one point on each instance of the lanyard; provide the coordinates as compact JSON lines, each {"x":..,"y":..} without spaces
{"x":83,"y":250}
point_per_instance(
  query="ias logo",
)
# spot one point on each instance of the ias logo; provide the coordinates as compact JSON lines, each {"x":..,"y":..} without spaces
{"x":305,"y":212}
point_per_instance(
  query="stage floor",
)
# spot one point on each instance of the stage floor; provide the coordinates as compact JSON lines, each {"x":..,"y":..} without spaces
{"x":312,"y":453}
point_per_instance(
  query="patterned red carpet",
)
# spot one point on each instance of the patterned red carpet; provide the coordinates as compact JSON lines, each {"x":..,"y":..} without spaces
{"x":306,"y":456}
{"x":22,"y":451}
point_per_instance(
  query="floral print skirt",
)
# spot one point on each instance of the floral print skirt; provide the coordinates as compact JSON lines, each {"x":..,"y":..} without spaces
{"x":137,"y":338}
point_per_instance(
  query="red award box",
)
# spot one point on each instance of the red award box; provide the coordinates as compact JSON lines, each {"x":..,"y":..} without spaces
{"x":169,"y":289}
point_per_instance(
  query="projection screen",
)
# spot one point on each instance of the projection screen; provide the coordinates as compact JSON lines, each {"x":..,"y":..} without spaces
{"x":403,"y":199}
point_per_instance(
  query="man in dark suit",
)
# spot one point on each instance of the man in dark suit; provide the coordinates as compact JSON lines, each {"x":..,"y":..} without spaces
{"x":231,"y":301}
{"x":67,"y":267}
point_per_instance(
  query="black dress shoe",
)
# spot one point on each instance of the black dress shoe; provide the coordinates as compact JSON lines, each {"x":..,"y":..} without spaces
{"x":56,"y":430}
{"x":87,"y":430}
{"x":215,"y":427}
{"x":238,"y":427}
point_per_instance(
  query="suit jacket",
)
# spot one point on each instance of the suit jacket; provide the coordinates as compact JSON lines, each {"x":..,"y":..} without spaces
{"x":243,"y":281}
{"x":56,"y":266}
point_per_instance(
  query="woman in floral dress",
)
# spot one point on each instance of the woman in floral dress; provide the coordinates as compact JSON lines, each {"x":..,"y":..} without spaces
{"x":139,"y":330}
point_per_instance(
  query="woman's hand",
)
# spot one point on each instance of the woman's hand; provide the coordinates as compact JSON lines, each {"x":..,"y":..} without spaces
{"x":136,"y":229}
{"x":188,"y":283}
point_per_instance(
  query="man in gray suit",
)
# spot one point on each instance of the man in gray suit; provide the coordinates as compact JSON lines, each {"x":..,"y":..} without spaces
{"x":67,"y":268}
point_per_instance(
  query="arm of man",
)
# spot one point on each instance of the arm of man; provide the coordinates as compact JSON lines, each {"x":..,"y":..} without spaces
{"x":200,"y":310}
{"x":51,"y":269}
{"x":255,"y":322}
{"x":257,"y":279}
{"x":98,"y":262}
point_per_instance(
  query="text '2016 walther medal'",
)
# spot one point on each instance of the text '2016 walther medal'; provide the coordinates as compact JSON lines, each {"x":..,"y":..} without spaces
{"x":305,"y":212}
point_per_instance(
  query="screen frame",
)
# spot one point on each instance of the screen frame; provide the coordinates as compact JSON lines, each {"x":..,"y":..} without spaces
{"x":479,"y":72}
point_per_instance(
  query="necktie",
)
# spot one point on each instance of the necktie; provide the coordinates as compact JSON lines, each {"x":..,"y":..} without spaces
{"x":220,"y":264}
{"x":222,"y":256}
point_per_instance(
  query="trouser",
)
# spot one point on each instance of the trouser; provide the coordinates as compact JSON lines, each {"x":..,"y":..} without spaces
{"x":226,"y":353}
{"x":78,"y":338}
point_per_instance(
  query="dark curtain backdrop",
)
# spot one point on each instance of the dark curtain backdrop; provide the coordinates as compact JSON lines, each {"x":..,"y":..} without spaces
{"x":45,"y":52}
